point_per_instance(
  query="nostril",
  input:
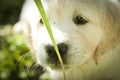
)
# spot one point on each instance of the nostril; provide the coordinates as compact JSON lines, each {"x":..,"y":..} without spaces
{"x":63,"y":48}
{"x":50,"y":51}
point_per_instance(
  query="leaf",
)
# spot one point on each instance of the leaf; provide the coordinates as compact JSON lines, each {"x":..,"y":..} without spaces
{"x":46,"y":22}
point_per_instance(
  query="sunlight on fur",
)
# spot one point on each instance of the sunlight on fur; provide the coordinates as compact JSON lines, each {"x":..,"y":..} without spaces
{"x":87,"y":33}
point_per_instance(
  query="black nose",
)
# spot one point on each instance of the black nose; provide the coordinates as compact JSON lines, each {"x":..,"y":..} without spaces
{"x":63,"y":48}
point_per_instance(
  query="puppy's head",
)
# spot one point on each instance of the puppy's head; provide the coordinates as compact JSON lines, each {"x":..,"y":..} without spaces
{"x":82,"y":29}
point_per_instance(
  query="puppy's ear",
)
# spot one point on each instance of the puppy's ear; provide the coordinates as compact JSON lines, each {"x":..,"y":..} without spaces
{"x":110,"y":23}
{"x":113,"y":7}
{"x":113,"y":20}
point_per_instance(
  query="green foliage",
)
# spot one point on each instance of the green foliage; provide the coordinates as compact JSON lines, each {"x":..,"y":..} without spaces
{"x":15,"y":58}
{"x":16,"y":61}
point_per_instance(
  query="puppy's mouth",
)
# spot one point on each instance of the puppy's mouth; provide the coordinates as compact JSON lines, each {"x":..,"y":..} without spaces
{"x":52,"y":59}
{"x":55,"y":63}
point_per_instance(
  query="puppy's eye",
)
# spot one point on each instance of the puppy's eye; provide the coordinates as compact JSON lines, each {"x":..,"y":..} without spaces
{"x":78,"y":20}
{"x":41,"y":21}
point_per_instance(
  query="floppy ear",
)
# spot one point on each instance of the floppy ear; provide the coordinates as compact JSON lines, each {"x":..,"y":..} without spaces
{"x":111,"y":28}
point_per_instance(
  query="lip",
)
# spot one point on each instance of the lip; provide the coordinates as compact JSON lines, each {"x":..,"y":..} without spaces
{"x":55,"y":64}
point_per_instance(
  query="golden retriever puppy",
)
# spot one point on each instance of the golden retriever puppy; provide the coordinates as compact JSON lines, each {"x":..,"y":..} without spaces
{"x":87,"y":33}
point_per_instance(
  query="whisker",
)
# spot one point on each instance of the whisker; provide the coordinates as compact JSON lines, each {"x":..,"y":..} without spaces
{"x":23,"y":56}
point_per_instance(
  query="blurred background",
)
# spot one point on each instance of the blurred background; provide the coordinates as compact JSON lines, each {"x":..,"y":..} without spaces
{"x":16,"y":62}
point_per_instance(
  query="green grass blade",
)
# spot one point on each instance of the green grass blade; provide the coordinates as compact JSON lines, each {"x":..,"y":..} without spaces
{"x":46,"y":22}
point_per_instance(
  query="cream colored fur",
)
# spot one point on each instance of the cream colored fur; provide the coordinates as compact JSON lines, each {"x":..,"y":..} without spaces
{"x":93,"y":48}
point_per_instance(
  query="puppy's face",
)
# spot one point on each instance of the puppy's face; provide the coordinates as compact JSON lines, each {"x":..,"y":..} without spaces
{"x":77,"y":28}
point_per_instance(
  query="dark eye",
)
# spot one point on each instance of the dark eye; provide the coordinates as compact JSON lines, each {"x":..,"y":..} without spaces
{"x":78,"y":20}
{"x":41,"y":21}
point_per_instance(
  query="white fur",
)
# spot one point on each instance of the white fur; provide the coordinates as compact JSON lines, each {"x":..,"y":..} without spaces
{"x":96,"y":41}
